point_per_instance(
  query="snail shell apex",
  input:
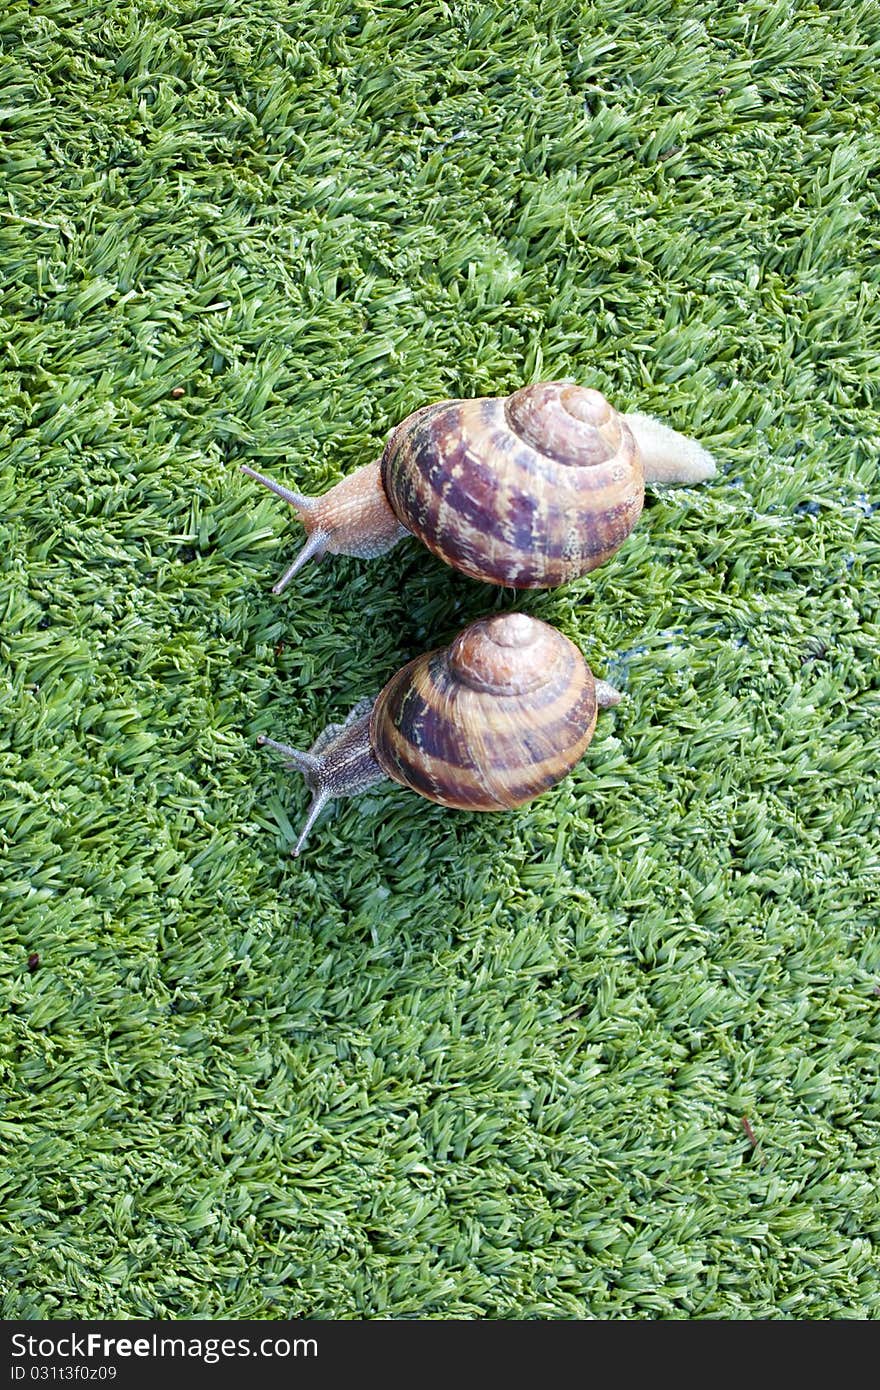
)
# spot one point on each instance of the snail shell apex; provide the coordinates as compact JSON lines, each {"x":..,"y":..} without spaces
{"x":529,"y":490}
{"x":490,"y":722}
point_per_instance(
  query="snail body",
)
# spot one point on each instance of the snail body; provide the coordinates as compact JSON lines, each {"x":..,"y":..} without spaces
{"x":486,"y":724}
{"x":530,"y":490}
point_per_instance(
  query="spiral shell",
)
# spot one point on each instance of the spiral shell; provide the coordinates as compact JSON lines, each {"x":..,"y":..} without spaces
{"x":489,"y":722}
{"x":529,"y":490}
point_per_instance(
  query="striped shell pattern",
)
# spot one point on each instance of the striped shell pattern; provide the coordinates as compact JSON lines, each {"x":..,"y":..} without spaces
{"x":529,"y":490}
{"x":489,"y":722}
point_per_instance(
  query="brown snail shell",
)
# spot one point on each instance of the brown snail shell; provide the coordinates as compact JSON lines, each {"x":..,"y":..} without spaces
{"x":489,"y":722}
{"x":531,"y":490}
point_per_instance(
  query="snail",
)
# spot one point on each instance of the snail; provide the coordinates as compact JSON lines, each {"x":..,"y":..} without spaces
{"x":486,"y":724}
{"x":529,"y":490}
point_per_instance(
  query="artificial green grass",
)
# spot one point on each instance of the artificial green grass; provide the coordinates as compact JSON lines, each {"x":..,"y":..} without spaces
{"x":445,"y":1065}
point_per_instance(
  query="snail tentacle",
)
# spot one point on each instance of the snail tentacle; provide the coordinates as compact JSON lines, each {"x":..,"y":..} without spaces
{"x":314,"y":549}
{"x":339,"y":763}
{"x":352,"y":518}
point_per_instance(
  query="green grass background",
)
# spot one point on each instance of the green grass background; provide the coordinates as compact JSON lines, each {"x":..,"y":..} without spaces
{"x":445,"y":1065}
